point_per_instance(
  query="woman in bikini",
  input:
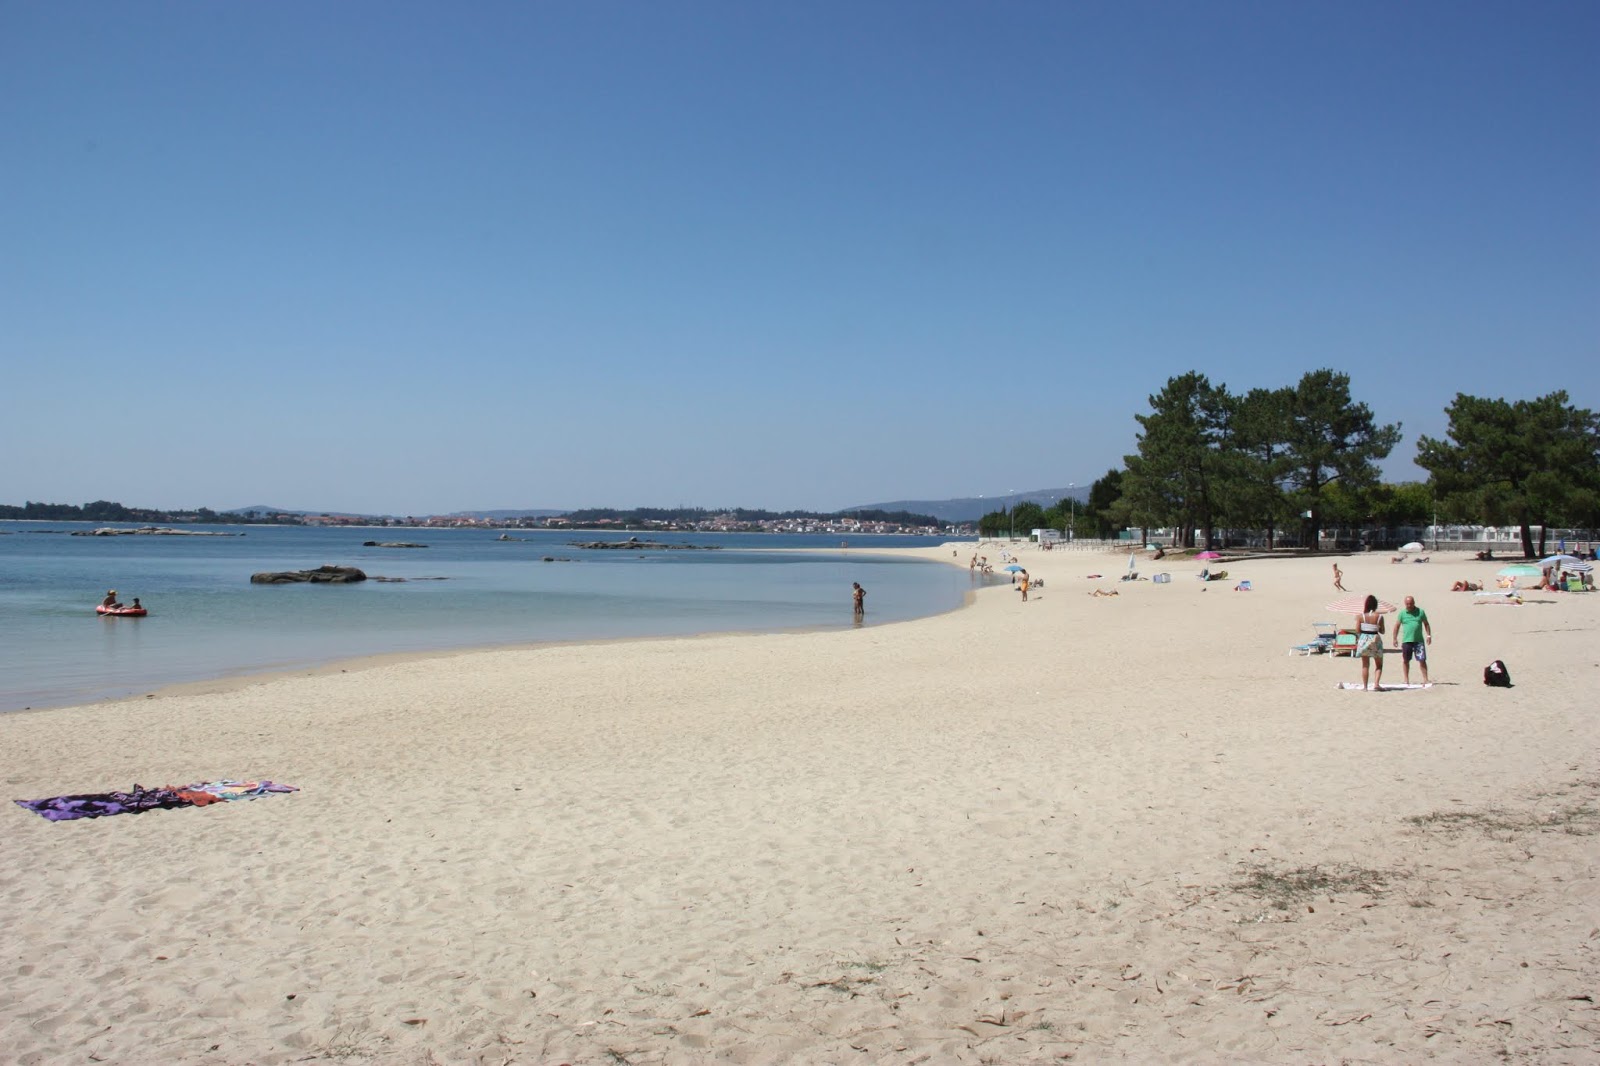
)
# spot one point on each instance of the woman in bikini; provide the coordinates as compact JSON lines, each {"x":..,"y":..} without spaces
{"x":1369,"y":643}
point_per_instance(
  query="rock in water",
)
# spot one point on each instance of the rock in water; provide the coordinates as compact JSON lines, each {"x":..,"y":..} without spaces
{"x":322,"y":575}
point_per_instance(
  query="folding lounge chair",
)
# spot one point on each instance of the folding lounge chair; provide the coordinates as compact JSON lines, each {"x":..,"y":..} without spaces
{"x":1322,"y":643}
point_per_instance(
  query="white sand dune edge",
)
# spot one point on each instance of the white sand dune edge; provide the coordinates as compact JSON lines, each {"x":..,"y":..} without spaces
{"x":1129,"y":829}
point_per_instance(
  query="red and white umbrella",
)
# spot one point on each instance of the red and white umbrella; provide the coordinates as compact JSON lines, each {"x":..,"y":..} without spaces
{"x":1358,"y":605}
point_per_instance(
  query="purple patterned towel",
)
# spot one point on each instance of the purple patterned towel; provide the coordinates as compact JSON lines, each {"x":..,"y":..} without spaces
{"x":103,"y":804}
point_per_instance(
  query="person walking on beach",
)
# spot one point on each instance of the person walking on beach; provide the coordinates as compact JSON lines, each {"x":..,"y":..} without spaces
{"x":1022,"y":585}
{"x":1338,"y":578}
{"x":1412,"y":635}
{"x":860,"y":599}
{"x":1369,"y":643}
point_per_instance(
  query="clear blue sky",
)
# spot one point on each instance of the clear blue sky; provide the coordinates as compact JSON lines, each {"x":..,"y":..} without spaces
{"x":421,"y":257}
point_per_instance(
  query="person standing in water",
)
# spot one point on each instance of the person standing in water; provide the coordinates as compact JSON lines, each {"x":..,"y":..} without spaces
{"x":859,"y":595}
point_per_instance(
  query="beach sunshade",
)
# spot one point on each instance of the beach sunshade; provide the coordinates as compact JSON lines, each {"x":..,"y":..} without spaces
{"x":1130,"y":562}
{"x":1551,"y":560}
{"x":1414,"y":546}
{"x":1579,"y":568}
{"x":1209,"y":555}
{"x":1519,"y":570}
{"x":1354,"y":605}
{"x":1013,"y":568}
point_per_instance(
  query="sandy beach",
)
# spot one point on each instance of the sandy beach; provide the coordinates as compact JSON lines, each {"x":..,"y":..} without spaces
{"x":1121,"y":829}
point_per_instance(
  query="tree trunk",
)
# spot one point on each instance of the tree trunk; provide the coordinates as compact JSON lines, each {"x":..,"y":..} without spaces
{"x":1527,"y":539}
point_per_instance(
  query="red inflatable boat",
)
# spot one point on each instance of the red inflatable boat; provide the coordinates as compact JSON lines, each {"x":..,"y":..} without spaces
{"x":122,"y":612}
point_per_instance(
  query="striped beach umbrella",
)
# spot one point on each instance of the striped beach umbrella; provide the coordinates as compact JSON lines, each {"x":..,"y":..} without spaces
{"x":1358,"y":603}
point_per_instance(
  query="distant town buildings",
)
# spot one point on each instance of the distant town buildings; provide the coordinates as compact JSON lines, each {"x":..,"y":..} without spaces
{"x":718,"y":523}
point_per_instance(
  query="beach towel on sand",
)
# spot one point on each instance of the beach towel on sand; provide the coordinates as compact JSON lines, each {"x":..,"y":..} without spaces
{"x":1357,"y":686}
{"x":140,"y":799}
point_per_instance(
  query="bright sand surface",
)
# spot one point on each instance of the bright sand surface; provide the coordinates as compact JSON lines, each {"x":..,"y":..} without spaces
{"x":1130,"y":829}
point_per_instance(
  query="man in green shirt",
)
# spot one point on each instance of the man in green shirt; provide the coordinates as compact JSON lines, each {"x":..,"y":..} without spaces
{"x":1412,"y":635}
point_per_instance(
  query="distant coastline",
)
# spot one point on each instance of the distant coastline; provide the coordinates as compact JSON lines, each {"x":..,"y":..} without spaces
{"x":655,"y":520}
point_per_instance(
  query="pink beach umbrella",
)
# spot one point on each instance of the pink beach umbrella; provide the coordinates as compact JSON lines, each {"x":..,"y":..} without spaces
{"x":1355,"y":604}
{"x":1209,"y":555}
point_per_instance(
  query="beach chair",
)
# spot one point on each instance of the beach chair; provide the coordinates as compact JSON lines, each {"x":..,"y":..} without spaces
{"x":1321,"y":644}
{"x":1344,"y":642}
{"x":1204,"y":575}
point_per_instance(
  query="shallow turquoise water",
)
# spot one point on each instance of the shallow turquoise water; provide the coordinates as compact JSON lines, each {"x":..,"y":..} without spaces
{"x":207,"y":620}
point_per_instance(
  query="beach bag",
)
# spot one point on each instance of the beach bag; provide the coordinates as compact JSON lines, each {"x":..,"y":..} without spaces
{"x":1495,"y":675}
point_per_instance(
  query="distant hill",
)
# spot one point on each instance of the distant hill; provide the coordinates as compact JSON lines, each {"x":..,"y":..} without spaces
{"x":972,"y":508}
{"x":967,"y":509}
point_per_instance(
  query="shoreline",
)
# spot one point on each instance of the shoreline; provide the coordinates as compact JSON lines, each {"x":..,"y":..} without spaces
{"x":234,"y":677}
{"x":1109,"y":827}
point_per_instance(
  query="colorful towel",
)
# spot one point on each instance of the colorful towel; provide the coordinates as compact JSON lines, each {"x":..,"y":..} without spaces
{"x":140,"y":799}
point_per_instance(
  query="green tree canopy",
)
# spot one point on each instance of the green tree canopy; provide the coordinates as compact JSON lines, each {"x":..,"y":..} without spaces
{"x":1258,"y":433}
{"x":1178,"y":472}
{"x":1095,"y":512}
{"x":1026,"y":517}
{"x":1331,"y":438}
{"x":1524,"y":461}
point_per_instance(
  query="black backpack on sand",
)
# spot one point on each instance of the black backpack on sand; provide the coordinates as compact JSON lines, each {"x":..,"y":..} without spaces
{"x":1495,"y":675}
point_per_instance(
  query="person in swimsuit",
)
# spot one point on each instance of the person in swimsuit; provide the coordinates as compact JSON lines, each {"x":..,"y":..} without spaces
{"x":1338,"y":578}
{"x":1369,"y":643}
{"x":860,"y":595}
{"x":111,"y":599}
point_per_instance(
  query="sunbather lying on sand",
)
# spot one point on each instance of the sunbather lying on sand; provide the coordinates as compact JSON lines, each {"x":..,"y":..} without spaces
{"x":1466,"y":586}
{"x":1103,"y":592}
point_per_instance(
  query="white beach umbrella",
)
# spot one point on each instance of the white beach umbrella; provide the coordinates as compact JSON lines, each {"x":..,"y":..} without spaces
{"x":1414,"y":546}
{"x":1552,"y":560}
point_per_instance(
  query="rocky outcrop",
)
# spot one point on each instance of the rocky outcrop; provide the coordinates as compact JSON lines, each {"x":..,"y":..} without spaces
{"x":635,"y":544}
{"x":322,"y":575}
{"x":390,"y":544}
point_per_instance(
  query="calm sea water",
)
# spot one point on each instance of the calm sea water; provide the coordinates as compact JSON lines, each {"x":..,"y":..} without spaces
{"x":207,"y":621}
